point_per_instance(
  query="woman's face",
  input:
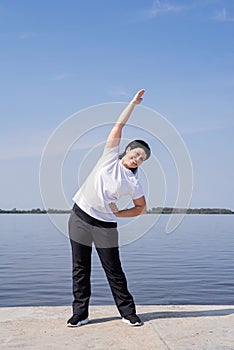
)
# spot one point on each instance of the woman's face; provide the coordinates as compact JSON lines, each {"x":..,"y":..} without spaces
{"x":134,"y":157}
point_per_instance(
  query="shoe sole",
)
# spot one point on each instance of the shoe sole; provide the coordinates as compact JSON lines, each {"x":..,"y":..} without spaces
{"x":80,"y":323}
{"x":131,"y":324}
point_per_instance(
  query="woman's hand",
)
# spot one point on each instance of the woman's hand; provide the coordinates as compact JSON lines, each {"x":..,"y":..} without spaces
{"x":137,"y":99}
{"x":113,"y":208}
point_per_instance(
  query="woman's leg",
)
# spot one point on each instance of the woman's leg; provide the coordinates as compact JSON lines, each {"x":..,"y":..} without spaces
{"x":111,"y":263}
{"x":81,"y":260}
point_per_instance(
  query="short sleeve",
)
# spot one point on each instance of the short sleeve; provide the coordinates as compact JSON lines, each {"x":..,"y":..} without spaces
{"x":110,"y":154}
{"x":137,"y":190}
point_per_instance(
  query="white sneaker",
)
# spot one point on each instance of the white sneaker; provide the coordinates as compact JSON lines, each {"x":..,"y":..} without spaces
{"x":76,"y":321}
{"x":132,"y":320}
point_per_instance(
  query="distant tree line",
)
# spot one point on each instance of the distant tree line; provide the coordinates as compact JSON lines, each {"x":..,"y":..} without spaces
{"x":166,"y":210}
{"x":157,"y":210}
{"x":34,"y":211}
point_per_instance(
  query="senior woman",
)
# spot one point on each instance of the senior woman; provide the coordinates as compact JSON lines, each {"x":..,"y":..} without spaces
{"x":93,"y":220}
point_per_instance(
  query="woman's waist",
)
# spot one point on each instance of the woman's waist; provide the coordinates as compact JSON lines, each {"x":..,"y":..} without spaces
{"x":91,"y":220}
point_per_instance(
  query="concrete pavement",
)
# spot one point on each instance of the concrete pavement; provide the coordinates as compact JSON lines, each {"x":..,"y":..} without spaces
{"x":178,"y":327}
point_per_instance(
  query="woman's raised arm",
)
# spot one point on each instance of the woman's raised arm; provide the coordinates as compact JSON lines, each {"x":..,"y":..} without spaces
{"x":116,"y":132}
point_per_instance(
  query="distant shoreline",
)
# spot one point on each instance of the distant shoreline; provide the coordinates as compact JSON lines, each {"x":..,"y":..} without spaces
{"x":158,"y":210}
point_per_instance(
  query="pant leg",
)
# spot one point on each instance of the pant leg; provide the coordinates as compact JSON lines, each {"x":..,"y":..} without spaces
{"x":112,"y":266}
{"x":81,"y":264}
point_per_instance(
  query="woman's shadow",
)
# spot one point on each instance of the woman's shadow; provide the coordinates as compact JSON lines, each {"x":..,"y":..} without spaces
{"x":149,"y":316}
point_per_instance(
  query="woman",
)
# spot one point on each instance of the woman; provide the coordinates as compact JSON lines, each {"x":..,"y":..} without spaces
{"x":93,"y":220}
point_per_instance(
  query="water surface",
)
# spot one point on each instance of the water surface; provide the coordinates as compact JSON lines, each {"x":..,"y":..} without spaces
{"x":193,"y":265}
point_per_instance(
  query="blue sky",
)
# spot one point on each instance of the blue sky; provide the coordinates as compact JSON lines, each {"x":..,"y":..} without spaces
{"x":58,"y":57}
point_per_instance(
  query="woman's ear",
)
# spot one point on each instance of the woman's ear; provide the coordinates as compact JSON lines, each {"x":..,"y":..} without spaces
{"x":128,"y":149}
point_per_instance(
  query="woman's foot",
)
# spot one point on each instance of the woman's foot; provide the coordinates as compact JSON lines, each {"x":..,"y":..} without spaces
{"x":132,"y":320}
{"x":76,"y":321}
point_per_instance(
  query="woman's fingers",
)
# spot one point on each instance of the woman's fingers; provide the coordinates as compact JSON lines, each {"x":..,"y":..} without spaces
{"x":113,"y":207}
{"x":137,"y":98}
{"x":141,"y":92}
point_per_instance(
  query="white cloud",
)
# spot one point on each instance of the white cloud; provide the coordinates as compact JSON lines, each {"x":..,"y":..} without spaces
{"x":31,"y":143}
{"x":222,"y":16}
{"x":201,"y":129}
{"x":26,"y":35}
{"x":24,"y":143}
{"x":62,"y":76}
{"x":158,"y":8}
{"x":163,"y":7}
{"x":119,"y":93}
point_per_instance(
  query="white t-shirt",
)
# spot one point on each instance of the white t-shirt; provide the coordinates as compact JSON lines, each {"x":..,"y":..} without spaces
{"x":108,"y":181}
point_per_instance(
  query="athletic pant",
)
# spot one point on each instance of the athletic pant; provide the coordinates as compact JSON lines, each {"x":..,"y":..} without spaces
{"x":83,"y":231}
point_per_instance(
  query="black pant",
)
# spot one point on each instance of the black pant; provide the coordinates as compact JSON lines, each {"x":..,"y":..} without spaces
{"x":83,"y":231}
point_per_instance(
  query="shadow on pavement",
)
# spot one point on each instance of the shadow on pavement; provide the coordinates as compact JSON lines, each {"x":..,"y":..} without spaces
{"x":148,"y":316}
{"x":103,"y":319}
{"x":183,"y":314}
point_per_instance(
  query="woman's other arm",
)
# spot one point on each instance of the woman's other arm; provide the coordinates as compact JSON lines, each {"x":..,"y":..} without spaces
{"x":116,"y":132}
{"x":138,"y":209}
